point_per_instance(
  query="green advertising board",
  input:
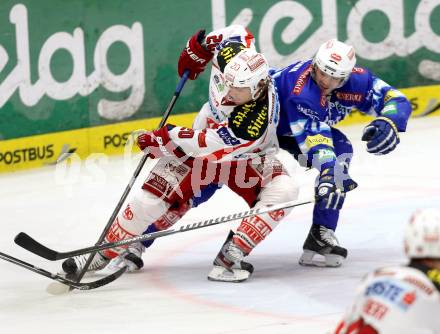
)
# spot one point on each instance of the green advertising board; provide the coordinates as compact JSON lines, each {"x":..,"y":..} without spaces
{"x":79,"y":64}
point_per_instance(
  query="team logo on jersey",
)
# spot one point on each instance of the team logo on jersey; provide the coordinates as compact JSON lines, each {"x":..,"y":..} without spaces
{"x":301,"y":81}
{"x":391,"y":94}
{"x":249,"y":121}
{"x":227,"y":138}
{"x":326,"y":155}
{"x":312,"y":141}
{"x":390,"y":109}
{"x":350,"y":97}
{"x":336,"y":112}
{"x":418,"y":283}
{"x":308,"y":112}
{"x":240,"y":114}
{"x":258,"y":125}
{"x":375,"y":309}
{"x":398,"y":295}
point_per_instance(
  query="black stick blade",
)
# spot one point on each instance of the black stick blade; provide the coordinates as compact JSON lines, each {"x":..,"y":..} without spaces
{"x":27,"y":242}
{"x":57,"y":277}
{"x":95,"y":284}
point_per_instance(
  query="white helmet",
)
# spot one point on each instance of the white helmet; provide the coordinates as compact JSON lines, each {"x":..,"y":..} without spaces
{"x":335,"y":58}
{"x":247,"y":69}
{"x":422,"y":234}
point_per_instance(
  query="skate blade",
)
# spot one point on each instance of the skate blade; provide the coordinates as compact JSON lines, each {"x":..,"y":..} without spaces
{"x":310,"y":258}
{"x":220,"y":274}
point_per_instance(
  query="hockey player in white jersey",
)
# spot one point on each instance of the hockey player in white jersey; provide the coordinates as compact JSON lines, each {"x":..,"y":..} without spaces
{"x":234,"y":145}
{"x":402,"y":299}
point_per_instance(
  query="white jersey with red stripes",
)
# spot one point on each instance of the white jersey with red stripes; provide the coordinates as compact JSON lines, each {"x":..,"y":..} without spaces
{"x":248,"y":132}
{"x":395,"y":300}
{"x":224,"y":132}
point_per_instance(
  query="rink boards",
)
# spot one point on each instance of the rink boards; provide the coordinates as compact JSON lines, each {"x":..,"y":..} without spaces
{"x":97,"y":142}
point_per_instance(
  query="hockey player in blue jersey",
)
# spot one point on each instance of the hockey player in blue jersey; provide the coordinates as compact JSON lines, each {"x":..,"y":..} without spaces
{"x":315,"y":95}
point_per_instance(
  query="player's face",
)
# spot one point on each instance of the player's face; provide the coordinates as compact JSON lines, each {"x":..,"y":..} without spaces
{"x":239,"y":95}
{"x":326,"y":82}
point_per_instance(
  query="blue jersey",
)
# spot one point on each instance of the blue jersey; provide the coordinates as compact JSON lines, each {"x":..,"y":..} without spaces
{"x":307,"y":114}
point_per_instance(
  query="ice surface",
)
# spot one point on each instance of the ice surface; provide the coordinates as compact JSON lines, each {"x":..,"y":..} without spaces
{"x":67,"y":209}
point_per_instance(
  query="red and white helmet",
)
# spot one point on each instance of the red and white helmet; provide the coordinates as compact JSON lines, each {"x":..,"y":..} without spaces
{"x":422,"y":234}
{"x":335,"y":58}
{"x":247,"y":69}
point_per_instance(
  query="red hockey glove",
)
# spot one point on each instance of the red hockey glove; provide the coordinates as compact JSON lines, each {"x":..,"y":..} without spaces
{"x":194,"y":57}
{"x":158,"y":143}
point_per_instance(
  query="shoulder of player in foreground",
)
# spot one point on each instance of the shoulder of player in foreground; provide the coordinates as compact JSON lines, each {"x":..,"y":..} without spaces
{"x":412,"y":276}
{"x":294,"y":69}
{"x":360,"y":77}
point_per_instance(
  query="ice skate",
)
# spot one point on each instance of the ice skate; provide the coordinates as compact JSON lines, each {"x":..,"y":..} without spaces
{"x":322,"y":243}
{"x":229,"y":265}
{"x":74,"y":265}
{"x":132,"y":258}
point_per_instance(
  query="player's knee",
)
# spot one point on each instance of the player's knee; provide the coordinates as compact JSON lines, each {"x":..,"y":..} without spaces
{"x":293,"y":192}
{"x":146,"y":207}
{"x":286,"y":188}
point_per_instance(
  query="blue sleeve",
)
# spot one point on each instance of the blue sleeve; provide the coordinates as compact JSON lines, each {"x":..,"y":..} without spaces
{"x":386,"y":101}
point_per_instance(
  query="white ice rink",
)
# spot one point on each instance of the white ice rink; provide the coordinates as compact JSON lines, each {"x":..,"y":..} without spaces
{"x":172,"y":294}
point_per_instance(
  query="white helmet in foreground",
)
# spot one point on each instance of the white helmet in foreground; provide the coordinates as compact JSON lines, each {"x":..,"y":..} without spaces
{"x":422,"y":234}
{"x":336,"y":59}
{"x":247,"y":69}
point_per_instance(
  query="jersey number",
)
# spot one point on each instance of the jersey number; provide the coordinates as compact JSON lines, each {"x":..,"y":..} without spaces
{"x":212,"y":41}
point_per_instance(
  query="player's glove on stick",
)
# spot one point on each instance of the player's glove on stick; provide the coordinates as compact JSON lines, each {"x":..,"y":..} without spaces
{"x":158,"y":143}
{"x":331,"y":189}
{"x":381,"y":136}
{"x":194,"y":57}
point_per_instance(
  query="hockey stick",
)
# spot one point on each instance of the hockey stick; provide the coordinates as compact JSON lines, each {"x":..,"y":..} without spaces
{"x":135,"y":175}
{"x":24,"y":240}
{"x":56,"y":277}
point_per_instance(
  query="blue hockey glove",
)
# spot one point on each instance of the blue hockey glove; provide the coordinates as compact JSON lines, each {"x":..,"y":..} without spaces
{"x":381,"y":136}
{"x":330,"y":191}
